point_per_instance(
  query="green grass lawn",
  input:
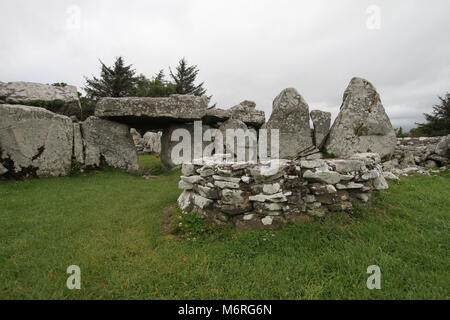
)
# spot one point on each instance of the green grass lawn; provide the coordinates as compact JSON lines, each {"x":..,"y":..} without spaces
{"x":109,"y":223}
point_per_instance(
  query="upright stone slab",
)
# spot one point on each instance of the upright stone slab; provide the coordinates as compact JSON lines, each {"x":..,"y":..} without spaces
{"x":108,"y":143}
{"x":362,"y":124}
{"x":443,"y":147}
{"x":152,"y":142}
{"x":78,"y":149}
{"x":290,"y":116}
{"x":34,"y":142}
{"x":321,"y":121}
{"x":61,"y":100}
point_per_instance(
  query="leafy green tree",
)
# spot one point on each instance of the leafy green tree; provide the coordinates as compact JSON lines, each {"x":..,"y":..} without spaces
{"x":185,"y":78}
{"x":437,"y":123}
{"x":116,"y":81}
{"x":87,"y":107}
{"x":156,"y":87}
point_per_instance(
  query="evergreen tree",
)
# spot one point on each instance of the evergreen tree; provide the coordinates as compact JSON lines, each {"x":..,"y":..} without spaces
{"x":156,"y":87}
{"x":400,"y":134}
{"x":184,"y":79}
{"x":438,"y":123}
{"x":117,"y":81}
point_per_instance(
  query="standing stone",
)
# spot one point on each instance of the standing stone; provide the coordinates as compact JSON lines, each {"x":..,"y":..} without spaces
{"x":78,"y":150}
{"x":290,"y":116}
{"x":321,"y":121}
{"x":152,"y":142}
{"x":61,"y":100}
{"x":362,"y":124}
{"x":443,"y":147}
{"x":34,"y":142}
{"x":137,"y":139}
{"x":108,"y":143}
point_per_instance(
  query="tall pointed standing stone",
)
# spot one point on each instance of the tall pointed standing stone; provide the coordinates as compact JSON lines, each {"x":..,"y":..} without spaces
{"x":290,"y":115}
{"x":362,"y":124}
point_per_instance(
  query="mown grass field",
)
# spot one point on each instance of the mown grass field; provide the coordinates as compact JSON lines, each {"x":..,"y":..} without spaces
{"x":110,"y":224}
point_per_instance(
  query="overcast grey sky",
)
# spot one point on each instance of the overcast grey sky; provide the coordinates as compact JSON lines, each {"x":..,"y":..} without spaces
{"x":244,"y":49}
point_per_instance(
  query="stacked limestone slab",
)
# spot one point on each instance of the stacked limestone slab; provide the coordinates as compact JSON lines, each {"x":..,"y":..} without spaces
{"x":58,"y":99}
{"x":35,"y":142}
{"x":257,"y":195}
{"x":158,"y":113}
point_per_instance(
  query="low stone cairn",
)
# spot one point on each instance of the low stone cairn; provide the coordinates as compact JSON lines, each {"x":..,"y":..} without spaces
{"x":254,"y":196}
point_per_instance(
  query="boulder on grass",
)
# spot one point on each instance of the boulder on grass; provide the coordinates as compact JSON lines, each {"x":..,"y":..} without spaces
{"x":108,"y":143}
{"x":290,"y":116}
{"x":34,"y":142}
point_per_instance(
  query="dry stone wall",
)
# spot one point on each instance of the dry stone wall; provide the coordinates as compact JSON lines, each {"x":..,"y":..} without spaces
{"x":251,"y":196}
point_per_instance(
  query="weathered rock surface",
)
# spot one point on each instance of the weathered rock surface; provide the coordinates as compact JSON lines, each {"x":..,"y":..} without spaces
{"x":78,"y":147}
{"x":34,"y":142}
{"x":443,"y":147}
{"x":61,"y":100}
{"x":145,"y":111}
{"x":321,"y":121}
{"x":157,"y":113}
{"x":108,"y":143}
{"x":152,"y":142}
{"x":414,"y":155}
{"x":137,"y":139}
{"x":246,"y":112}
{"x":362,"y":124}
{"x":290,"y":116}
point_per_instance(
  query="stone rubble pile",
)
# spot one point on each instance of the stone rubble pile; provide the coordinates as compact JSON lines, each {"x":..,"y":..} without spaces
{"x":416,"y":155}
{"x":255,"y":196}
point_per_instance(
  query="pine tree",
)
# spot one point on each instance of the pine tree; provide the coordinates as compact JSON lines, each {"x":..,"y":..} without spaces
{"x":184,"y":79}
{"x":438,"y":123}
{"x":156,"y":87}
{"x":117,"y":81}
